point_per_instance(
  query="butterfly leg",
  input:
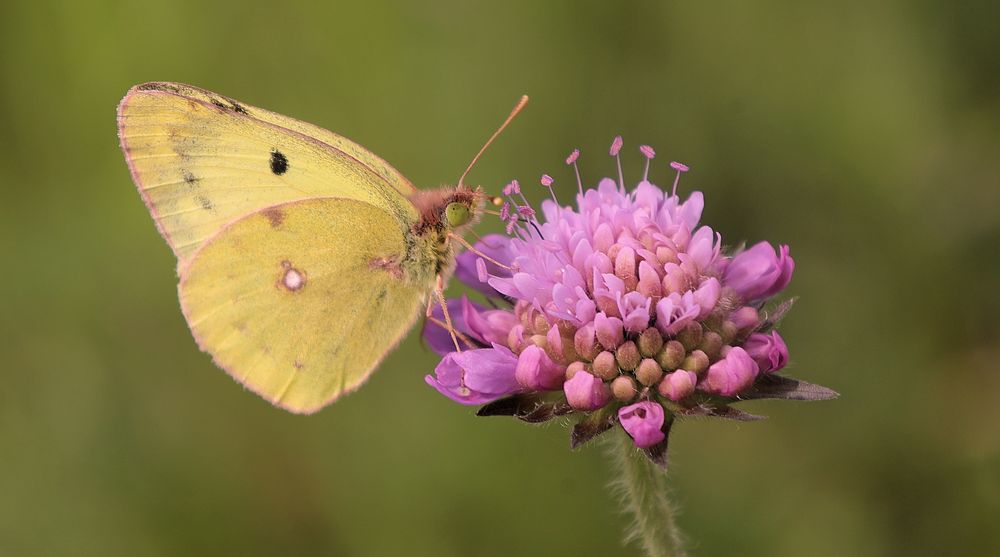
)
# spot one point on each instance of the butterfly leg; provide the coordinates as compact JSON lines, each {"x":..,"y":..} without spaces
{"x":439,"y":294}
{"x":473,"y":249}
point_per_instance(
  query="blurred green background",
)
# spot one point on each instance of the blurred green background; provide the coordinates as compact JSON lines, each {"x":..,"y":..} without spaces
{"x":866,"y":135}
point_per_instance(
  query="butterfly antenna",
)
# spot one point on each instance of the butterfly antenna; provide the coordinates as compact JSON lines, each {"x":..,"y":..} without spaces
{"x":517,"y":108}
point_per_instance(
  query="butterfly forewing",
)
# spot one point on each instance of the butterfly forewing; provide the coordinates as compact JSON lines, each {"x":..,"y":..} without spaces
{"x":201,"y":160}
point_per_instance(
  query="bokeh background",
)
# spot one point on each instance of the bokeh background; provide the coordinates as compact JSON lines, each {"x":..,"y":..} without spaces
{"x":866,"y":135}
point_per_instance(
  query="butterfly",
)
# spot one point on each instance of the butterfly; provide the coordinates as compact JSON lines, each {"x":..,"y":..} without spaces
{"x":303,"y":257}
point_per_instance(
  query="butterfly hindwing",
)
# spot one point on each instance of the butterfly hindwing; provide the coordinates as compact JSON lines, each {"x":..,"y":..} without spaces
{"x":201,"y":160}
{"x":300,"y":301}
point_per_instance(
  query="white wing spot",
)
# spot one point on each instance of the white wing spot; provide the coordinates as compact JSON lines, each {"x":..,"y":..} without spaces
{"x":293,"y":279}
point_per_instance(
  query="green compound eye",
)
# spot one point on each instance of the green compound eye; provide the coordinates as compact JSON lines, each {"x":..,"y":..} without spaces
{"x":457,"y":214}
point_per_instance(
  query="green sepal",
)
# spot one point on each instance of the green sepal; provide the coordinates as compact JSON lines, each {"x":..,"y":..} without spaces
{"x":529,"y":407}
{"x":594,"y":424}
{"x":786,"y":388}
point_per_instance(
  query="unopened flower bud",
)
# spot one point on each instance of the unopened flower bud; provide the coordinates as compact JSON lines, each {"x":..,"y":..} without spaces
{"x":733,"y":373}
{"x":554,"y":344}
{"x":671,"y":355}
{"x":627,"y":356}
{"x":649,"y":372}
{"x":536,"y":372}
{"x":674,"y":280}
{"x":585,"y":342}
{"x":707,"y":296}
{"x":690,"y":336}
{"x":574,"y":367}
{"x":515,"y":338}
{"x":540,"y":323}
{"x":559,"y":346}
{"x":586,"y":392}
{"x":759,"y":272}
{"x":711,"y":345}
{"x":605,"y":366}
{"x":768,"y":350}
{"x":666,"y":255}
{"x":678,"y":384}
{"x":649,"y":281}
{"x":625,"y":267}
{"x":623,"y":388}
{"x":696,"y":361}
{"x":728,"y":331}
{"x":745,"y":318}
{"x":650,"y":342}
{"x":610,"y":331}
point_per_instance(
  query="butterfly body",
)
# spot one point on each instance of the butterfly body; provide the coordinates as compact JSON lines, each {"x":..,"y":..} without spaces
{"x":303,"y":258}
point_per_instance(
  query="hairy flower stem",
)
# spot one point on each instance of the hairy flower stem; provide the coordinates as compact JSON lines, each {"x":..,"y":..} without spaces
{"x":641,"y":486}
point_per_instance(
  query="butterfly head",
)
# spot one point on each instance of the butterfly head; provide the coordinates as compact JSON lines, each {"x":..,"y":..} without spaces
{"x":463,"y":207}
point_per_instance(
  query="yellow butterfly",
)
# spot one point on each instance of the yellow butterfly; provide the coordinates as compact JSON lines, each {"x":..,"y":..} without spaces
{"x":303,"y":257}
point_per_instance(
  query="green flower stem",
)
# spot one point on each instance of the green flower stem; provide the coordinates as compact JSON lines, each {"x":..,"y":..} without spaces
{"x":642,"y":487}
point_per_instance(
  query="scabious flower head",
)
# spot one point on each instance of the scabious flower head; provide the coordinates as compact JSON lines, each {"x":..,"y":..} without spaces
{"x":624,"y":309}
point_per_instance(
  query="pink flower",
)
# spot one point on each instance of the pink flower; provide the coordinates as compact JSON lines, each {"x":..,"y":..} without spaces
{"x":643,"y":421}
{"x":730,"y":375}
{"x":623,"y":286}
{"x":609,"y":330}
{"x":476,"y":376}
{"x":586,"y":392}
{"x":768,"y":350}
{"x":536,"y":371}
{"x":759,"y":272}
{"x":678,"y":384}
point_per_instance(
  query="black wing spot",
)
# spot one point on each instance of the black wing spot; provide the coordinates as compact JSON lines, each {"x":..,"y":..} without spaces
{"x":206,"y":204}
{"x":219,"y":104}
{"x":189,"y":178}
{"x":279,"y":162}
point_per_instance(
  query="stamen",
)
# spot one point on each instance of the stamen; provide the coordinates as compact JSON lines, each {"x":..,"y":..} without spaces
{"x":649,"y":153}
{"x":680,"y":168}
{"x":511,"y":223}
{"x":571,"y":159}
{"x":547,"y":181}
{"x":616,"y":147}
{"x":481,"y":255}
{"x":468,"y":342}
